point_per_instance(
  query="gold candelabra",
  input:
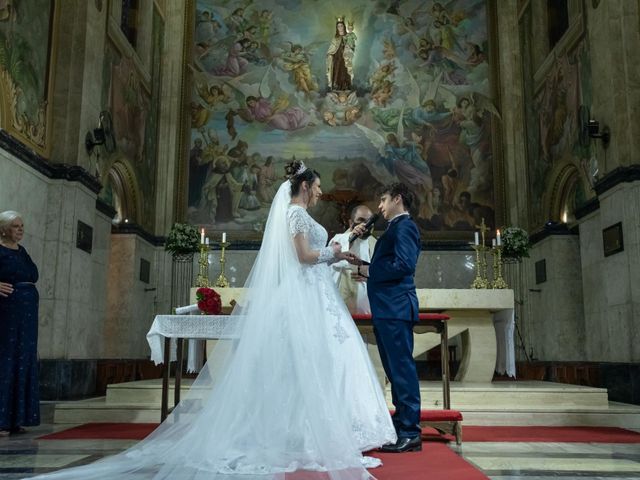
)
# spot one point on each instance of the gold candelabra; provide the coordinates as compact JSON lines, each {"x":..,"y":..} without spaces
{"x":481,"y":280}
{"x":498,"y":281}
{"x":481,"y":268}
{"x":202,"y":280}
{"x":222,"y":280}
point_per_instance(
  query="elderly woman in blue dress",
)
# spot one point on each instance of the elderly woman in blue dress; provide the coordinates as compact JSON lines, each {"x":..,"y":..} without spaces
{"x":19,"y":396}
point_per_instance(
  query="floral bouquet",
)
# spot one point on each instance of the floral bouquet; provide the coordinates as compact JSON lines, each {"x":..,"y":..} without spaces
{"x":515,"y":243}
{"x":209,"y":301}
{"x":182,"y":239}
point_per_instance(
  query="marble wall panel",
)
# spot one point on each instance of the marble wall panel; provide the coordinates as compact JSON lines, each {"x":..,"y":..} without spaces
{"x":132,"y":304}
{"x":634,"y":272}
{"x":554,"y":310}
{"x":615,"y":281}
{"x":9,"y":187}
{"x":618,"y":319}
{"x":597,"y":345}
{"x":612,"y":205}
{"x":590,"y":240}
{"x":634,"y":334}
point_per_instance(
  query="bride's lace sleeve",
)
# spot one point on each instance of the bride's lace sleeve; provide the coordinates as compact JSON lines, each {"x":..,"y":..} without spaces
{"x":301,"y":223}
{"x":326,"y":255}
{"x":298,"y":222}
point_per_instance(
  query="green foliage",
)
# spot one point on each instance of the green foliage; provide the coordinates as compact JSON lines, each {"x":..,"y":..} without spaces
{"x":515,"y":243}
{"x":183,"y":238}
{"x":15,"y":58}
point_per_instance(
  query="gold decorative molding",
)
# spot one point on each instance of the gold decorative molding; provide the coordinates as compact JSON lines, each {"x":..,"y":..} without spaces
{"x":32,"y":132}
{"x":126,"y":184}
{"x":184,"y":122}
{"x":563,"y":179}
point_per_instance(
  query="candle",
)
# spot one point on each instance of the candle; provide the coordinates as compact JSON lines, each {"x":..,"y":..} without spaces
{"x":498,"y":239}
{"x":477,"y":237}
{"x":493,"y":242}
{"x":206,"y":241}
{"x":224,"y":237}
{"x":202,"y":236}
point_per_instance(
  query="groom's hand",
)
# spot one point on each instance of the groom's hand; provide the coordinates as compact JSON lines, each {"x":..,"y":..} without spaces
{"x":349,"y":257}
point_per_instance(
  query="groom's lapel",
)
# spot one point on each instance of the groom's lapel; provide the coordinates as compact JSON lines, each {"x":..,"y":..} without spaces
{"x":385,"y":235}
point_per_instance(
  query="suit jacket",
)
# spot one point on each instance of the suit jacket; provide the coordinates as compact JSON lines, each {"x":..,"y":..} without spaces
{"x":391,"y":286}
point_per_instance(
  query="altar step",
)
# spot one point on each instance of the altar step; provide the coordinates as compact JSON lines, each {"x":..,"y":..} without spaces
{"x":497,"y":403}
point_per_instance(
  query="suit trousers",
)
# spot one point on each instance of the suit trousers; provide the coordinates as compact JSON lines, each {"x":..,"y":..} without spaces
{"x":395,"y":343}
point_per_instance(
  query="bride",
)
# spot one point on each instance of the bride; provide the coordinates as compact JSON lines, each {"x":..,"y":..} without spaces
{"x":291,"y":389}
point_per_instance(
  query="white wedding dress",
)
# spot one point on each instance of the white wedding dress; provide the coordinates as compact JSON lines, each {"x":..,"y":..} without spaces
{"x":292,"y":388}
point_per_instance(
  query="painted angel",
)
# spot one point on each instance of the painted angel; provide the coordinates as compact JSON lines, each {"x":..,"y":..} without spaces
{"x":213,"y":95}
{"x":296,"y":61}
{"x":403,"y":158}
{"x":259,"y":107}
{"x":341,"y":108}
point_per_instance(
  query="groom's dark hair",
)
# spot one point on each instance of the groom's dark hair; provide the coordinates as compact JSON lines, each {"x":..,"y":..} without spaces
{"x":399,"y":188}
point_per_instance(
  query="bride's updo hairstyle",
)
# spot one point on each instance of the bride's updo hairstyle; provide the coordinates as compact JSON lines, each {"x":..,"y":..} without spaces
{"x":298,"y":173}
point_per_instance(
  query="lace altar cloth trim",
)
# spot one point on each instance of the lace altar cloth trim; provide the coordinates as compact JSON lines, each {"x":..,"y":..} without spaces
{"x":187,"y":326}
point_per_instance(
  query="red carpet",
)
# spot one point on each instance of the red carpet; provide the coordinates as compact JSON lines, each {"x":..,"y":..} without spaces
{"x":436,"y":462}
{"x":104,"y":431}
{"x":137,"y":431}
{"x":549,"y":434}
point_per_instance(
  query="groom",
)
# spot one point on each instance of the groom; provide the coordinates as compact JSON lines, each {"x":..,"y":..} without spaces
{"x":394,"y":309}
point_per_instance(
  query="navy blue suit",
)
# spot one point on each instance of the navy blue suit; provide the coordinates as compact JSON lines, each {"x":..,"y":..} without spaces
{"x":394,"y":308}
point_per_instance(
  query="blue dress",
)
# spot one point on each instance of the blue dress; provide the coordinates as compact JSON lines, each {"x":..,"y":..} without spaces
{"x":19,"y":394}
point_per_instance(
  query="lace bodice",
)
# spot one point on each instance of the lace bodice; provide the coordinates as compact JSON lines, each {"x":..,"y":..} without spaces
{"x":301,"y":222}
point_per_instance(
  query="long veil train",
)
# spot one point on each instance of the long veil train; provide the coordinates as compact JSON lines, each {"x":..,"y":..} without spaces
{"x":267,"y":402}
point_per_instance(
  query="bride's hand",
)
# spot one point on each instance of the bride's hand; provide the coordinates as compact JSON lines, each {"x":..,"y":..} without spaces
{"x":349,"y":257}
{"x":337,"y":248}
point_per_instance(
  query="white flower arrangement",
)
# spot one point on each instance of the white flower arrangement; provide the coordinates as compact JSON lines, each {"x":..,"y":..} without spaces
{"x":515,"y":243}
{"x":182,"y":239}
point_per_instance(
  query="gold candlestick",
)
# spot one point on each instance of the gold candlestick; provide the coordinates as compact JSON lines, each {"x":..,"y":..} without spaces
{"x":498,"y":281}
{"x":481,"y":280}
{"x":222,"y":280}
{"x":202,"y":280}
{"x":481,"y":264}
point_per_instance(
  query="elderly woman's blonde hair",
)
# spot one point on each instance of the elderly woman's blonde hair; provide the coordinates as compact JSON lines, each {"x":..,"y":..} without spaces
{"x":6,"y":219}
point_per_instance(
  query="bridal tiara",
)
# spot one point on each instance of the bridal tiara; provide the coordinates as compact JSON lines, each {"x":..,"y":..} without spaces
{"x":301,"y":169}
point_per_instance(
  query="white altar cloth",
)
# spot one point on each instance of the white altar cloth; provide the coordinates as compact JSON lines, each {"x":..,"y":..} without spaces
{"x":192,"y":327}
{"x":504,"y":323}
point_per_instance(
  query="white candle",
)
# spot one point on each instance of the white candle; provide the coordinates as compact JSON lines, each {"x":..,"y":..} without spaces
{"x":224,"y":237}
{"x":477,"y":237}
{"x":498,"y":239}
{"x":493,"y":242}
{"x":206,"y":241}
{"x":202,"y":236}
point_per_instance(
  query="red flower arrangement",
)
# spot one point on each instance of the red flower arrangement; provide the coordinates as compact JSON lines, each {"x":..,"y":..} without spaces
{"x":209,"y":301}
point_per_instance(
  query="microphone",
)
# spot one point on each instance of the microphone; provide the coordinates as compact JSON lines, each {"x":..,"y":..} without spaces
{"x":367,"y":226}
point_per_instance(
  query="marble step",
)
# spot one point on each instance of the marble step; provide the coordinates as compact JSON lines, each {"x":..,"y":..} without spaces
{"x":613,"y":415}
{"x":491,"y":396}
{"x":98,"y":410}
{"x":143,"y":391}
{"x":512,"y":395}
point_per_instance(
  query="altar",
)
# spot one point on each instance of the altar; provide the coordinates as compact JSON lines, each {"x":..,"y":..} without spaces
{"x":484,"y":319}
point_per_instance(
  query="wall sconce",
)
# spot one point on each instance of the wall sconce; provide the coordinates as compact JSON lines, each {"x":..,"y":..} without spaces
{"x":593,"y":130}
{"x":590,"y":128}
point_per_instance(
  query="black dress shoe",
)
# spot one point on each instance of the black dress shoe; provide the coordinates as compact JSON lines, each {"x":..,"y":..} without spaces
{"x":403,"y":445}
